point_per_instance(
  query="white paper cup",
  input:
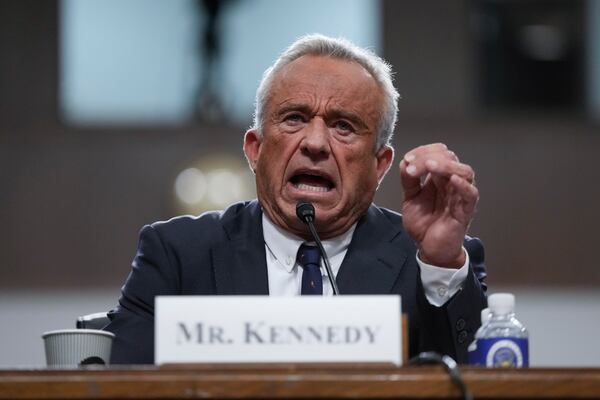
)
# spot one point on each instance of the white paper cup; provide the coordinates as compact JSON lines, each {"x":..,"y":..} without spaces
{"x":75,"y":347}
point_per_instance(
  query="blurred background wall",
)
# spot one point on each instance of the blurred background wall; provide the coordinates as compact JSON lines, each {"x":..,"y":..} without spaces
{"x":114,"y":114}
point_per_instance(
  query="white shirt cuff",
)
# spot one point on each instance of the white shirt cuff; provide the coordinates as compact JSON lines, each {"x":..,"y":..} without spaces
{"x":440,"y":284}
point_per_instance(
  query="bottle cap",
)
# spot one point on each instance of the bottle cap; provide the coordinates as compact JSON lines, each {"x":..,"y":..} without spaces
{"x":501,"y":303}
{"x":485,"y":315}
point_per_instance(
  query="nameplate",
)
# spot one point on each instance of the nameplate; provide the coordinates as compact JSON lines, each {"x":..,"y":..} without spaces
{"x":263,"y":329}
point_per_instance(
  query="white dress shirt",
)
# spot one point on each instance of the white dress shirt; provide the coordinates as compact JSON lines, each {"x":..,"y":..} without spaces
{"x":285,"y":274}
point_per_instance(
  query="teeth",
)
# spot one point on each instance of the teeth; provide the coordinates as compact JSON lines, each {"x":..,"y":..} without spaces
{"x":303,"y":186}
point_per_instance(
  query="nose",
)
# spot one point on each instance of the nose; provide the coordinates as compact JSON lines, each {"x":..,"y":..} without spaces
{"x":315,"y":143}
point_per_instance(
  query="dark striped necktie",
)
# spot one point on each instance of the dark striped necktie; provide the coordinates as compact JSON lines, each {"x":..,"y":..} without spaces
{"x":309,"y":258}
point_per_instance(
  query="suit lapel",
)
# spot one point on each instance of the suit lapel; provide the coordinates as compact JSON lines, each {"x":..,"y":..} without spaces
{"x":240,"y":263}
{"x":372,"y":263}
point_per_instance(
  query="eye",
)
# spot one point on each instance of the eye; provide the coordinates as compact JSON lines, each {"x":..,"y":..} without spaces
{"x":293,"y":119}
{"x":344,"y":127}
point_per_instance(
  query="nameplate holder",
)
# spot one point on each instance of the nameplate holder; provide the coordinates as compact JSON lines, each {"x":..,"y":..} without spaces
{"x":263,"y":329}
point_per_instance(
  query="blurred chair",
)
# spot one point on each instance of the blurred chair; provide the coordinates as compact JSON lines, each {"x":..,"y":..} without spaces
{"x":93,"y":321}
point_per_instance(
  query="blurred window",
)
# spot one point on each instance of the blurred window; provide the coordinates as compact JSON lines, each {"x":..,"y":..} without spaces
{"x":138,"y":62}
{"x":531,"y":53}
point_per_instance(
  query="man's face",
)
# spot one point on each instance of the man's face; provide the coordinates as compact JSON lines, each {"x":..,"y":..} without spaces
{"x":318,"y":144}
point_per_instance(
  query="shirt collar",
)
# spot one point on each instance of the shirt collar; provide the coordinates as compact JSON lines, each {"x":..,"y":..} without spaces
{"x":284,"y":245}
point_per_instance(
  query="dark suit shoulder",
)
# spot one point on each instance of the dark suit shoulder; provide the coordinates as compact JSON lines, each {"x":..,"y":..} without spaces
{"x":209,"y":218}
{"x":472,"y":244}
{"x":392,"y":216}
{"x":208,"y":227}
{"x":382,"y":224}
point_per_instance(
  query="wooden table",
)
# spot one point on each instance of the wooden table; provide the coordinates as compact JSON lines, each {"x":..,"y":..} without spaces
{"x":294,"y":381}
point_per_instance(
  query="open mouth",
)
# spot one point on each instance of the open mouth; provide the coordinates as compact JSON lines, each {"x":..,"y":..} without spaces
{"x":312,"y":182}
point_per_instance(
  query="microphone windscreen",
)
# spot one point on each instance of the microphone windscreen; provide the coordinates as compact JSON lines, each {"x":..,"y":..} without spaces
{"x":305,"y":211}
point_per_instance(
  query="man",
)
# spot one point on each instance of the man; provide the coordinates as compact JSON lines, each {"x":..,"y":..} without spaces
{"x":325,"y":113}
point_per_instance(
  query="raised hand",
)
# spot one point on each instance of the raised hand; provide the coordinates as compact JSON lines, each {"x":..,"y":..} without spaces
{"x":439,"y":203}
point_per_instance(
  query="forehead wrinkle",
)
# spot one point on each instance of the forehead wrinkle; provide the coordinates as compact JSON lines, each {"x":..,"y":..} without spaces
{"x":319,"y":94}
{"x":285,"y":107}
{"x":326,"y":110}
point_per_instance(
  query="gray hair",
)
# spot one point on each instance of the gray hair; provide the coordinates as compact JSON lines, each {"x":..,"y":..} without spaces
{"x":343,"y":49}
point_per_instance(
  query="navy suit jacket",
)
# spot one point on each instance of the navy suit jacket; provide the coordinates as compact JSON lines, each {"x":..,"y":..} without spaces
{"x":223,"y":253}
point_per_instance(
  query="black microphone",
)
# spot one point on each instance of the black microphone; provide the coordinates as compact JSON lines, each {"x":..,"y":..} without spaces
{"x":306,"y":213}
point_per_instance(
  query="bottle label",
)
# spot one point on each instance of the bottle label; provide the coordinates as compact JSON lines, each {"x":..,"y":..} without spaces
{"x":473,"y":354}
{"x":503,"y":352}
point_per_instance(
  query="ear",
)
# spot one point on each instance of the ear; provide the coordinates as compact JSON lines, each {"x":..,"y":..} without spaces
{"x":252,"y":142}
{"x":384,"y":156}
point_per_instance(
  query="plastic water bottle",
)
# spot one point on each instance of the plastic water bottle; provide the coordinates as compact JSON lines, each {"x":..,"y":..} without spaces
{"x":502,"y":341}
